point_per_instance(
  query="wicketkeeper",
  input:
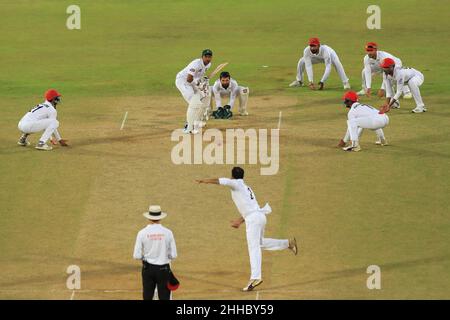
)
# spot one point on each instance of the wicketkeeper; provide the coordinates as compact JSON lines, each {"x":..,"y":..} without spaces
{"x":227,"y":87}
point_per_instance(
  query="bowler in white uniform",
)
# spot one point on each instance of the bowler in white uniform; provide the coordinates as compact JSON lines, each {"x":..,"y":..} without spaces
{"x":255,"y":221}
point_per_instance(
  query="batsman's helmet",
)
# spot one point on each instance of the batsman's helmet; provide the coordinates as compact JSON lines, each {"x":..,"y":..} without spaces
{"x":207,"y":52}
{"x":224,"y":74}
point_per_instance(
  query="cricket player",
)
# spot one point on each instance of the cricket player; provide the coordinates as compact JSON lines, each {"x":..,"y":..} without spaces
{"x":191,"y":83}
{"x":227,"y":87}
{"x":372,"y":62}
{"x":362,"y":116}
{"x":255,"y":221}
{"x":42,"y":118}
{"x":317,"y":53}
{"x":402,"y":76}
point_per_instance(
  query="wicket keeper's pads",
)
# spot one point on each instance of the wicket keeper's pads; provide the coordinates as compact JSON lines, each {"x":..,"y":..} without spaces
{"x":243,"y":99}
{"x":194,"y":111}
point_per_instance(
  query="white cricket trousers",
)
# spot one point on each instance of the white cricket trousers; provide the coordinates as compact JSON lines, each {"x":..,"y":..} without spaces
{"x":334,"y":61}
{"x":254,"y":225}
{"x":375,"y":122}
{"x":48,"y":125}
{"x":185,"y":89}
{"x":414,"y":83}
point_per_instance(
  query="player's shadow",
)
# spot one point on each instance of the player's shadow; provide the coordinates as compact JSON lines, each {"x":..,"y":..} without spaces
{"x":347,"y":273}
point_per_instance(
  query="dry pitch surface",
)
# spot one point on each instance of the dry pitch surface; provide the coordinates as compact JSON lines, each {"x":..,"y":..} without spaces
{"x":83,"y":206}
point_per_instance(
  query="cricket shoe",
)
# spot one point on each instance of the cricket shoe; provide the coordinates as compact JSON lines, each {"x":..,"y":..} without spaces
{"x":407,"y":95}
{"x":195,"y":131}
{"x":23,"y":142}
{"x":293,"y":246}
{"x":347,"y":86}
{"x":43,"y":146}
{"x":252,"y":285}
{"x":361,"y":92}
{"x":419,"y":110}
{"x":202,"y":124}
{"x":352,"y":148}
{"x":396,"y":105}
{"x":382,"y":142}
{"x":243,"y":113}
{"x":296,"y":83}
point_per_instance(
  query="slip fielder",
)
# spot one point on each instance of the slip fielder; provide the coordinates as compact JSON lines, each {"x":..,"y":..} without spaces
{"x":372,"y":62}
{"x":362,"y":116}
{"x":402,"y":76}
{"x":42,"y":118}
{"x":255,"y":221}
{"x":319,"y":53}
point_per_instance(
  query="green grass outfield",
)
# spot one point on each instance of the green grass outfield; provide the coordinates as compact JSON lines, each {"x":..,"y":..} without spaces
{"x":385,"y":206}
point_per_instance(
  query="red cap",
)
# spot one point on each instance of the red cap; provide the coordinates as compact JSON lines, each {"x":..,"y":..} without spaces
{"x":351,"y":95}
{"x":314,"y":41}
{"x":371,"y":46}
{"x":51,"y":94}
{"x":386,"y":63}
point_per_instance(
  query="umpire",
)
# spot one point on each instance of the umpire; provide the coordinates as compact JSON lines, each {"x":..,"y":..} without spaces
{"x":155,"y":246}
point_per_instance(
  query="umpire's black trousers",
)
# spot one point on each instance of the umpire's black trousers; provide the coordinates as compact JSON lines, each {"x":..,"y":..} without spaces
{"x":155,"y":276}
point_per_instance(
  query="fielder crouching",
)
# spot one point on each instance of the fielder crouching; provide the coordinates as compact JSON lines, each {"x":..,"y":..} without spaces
{"x":42,"y":117}
{"x":227,"y":87}
{"x":362,"y":116}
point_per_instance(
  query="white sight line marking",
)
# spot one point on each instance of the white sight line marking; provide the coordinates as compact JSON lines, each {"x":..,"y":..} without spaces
{"x":124,"y":119}
{"x":279,"y":120}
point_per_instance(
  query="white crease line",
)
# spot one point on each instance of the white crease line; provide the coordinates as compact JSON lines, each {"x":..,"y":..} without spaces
{"x":279,"y":120}
{"x":140,"y":291}
{"x":124,"y":119}
{"x":73,"y":295}
{"x":257,"y":295}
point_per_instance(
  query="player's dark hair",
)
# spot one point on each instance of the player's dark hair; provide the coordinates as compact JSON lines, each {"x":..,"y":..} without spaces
{"x":224,"y":74}
{"x":237,"y":173}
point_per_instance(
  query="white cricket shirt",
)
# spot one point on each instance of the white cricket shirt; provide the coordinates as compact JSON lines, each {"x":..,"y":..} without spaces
{"x":196,"y":68}
{"x":242,"y":195}
{"x":219,"y":91}
{"x":359,"y":110}
{"x":155,"y":244}
{"x":324,"y":55}
{"x":373,"y":65}
{"x":41,"y":111}
{"x":401,"y":75}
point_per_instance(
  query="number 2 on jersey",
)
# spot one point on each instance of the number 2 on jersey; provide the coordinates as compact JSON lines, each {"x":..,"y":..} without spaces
{"x":251,"y":193}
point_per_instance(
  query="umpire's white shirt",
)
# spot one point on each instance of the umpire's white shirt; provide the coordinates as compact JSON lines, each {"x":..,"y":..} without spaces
{"x":155,"y":244}
{"x":242,"y":195}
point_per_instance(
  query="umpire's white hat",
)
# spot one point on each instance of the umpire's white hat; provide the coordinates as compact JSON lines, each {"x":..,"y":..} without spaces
{"x":155,"y":213}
